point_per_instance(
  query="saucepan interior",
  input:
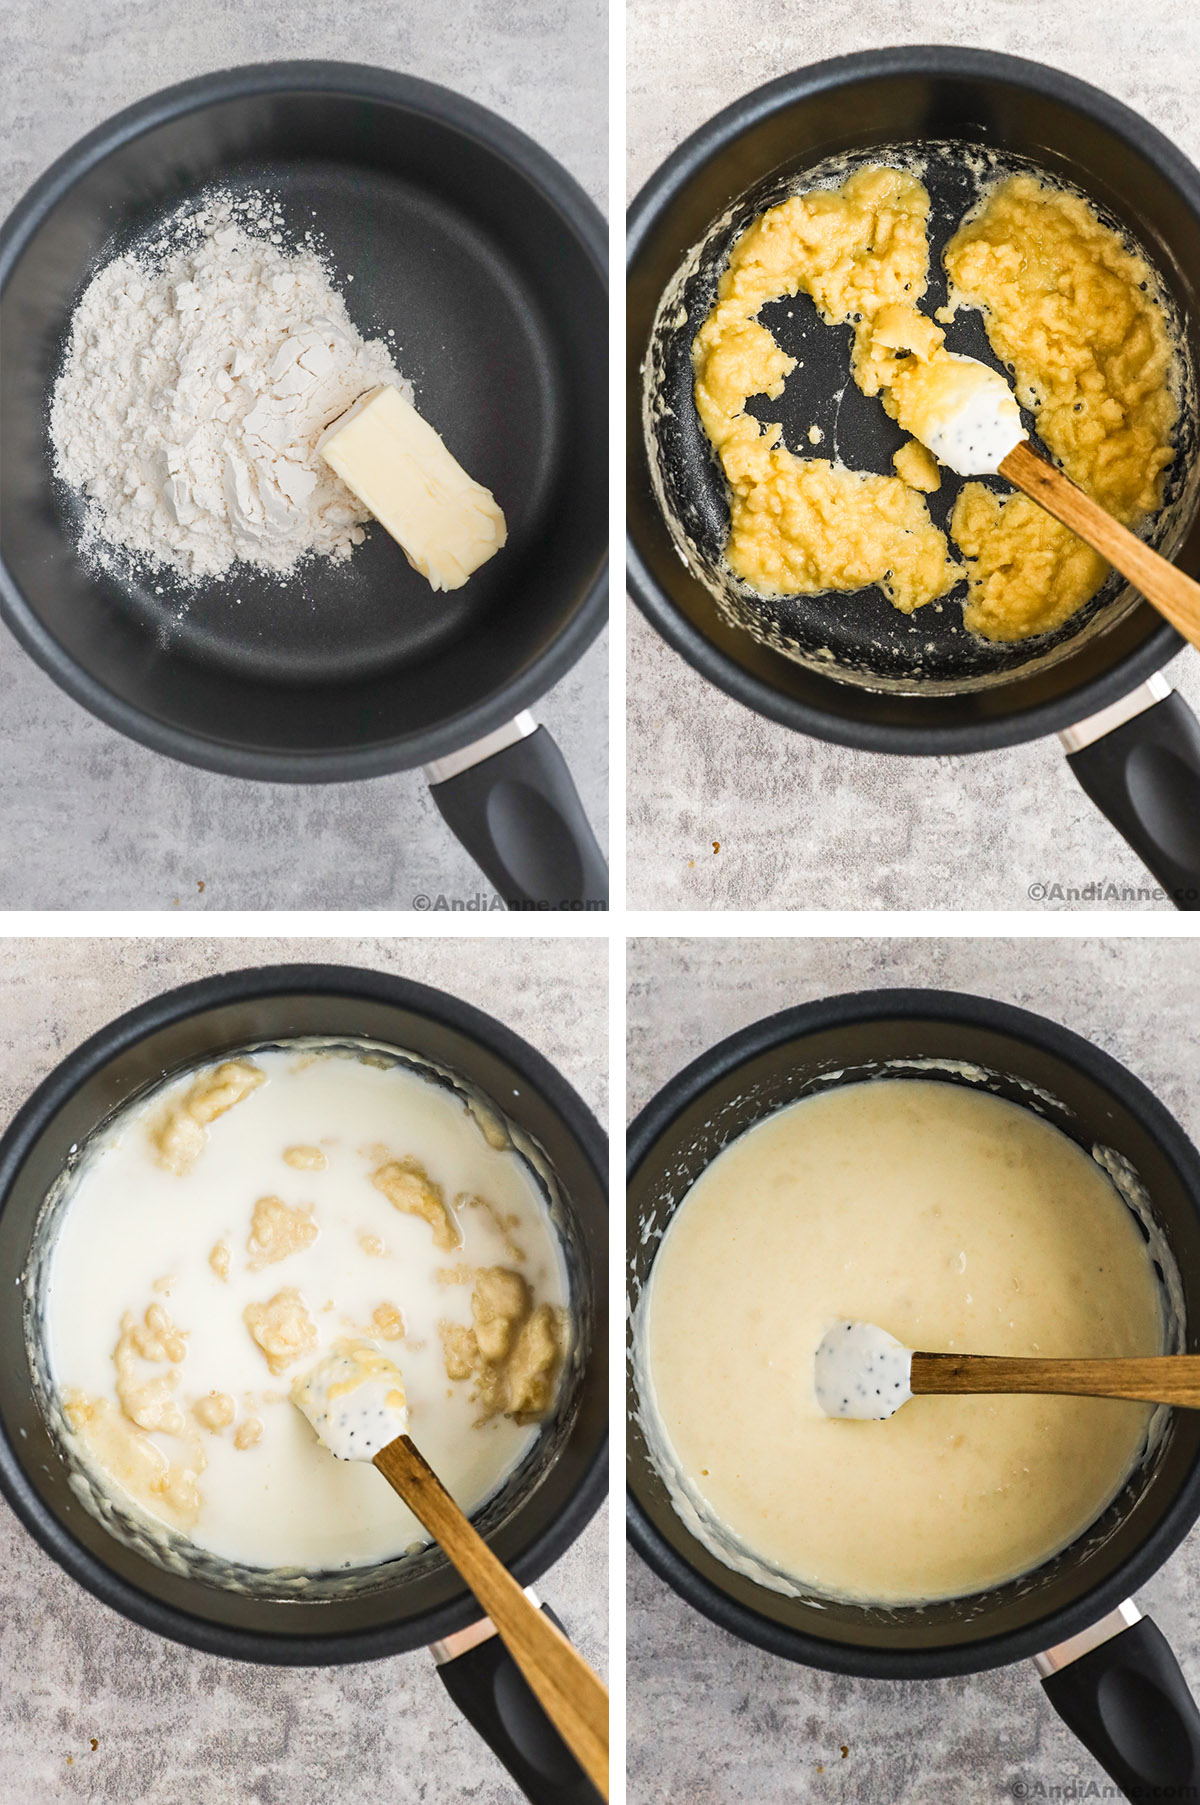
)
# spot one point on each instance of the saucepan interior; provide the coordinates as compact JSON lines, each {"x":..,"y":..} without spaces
{"x":959,"y":119}
{"x":162,"y":1580}
{"x":1028,"y":1061}
{"x":486,"y":260}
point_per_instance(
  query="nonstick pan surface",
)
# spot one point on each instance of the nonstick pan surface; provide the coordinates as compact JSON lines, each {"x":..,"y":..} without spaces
{"x":487,"y":261}
{"x":849,"y":668}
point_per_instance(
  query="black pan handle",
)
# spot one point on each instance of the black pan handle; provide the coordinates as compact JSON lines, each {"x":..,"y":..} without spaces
{"x":1128,"y":1702}
{"x":493,"y":1695}
{"x":1145,"y":776}
{"x":519,"y":816}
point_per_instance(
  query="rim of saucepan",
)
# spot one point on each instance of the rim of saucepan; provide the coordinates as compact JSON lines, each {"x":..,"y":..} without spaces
{"x":1160,"y":645}
{"x":118,"y":1036}
{"x":866,"y":1006}
{"x":580,"y":216}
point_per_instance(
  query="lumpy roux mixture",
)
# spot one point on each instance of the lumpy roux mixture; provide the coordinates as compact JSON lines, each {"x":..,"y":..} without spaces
{"x":235,"y":1226}
{"x":1067,"y":307}
{"x":957,"y":1222}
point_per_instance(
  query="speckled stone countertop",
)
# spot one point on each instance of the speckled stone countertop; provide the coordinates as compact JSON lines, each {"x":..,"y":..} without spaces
{"x":800,"y":824}
{"x":173,"y":1727}
{"x":712,"y":1721}
{"x":105,"y":823}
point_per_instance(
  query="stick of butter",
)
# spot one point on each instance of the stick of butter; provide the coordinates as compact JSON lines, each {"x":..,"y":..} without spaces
{"x":445,"y":524}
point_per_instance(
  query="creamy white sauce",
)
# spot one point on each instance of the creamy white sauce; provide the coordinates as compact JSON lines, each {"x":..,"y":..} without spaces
{"x":969,"y":1224}
{"x":133,"y":1234}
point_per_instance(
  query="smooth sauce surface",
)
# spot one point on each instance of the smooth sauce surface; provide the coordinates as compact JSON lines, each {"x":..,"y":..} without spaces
{"x":956,"y":1221}
{"x":262,"y":1237}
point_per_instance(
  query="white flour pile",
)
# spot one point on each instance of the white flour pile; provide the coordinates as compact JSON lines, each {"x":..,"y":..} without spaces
{"x":200,"y":373}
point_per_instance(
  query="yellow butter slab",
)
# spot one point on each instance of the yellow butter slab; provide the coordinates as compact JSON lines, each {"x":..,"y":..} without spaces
{"x":445,"y":523}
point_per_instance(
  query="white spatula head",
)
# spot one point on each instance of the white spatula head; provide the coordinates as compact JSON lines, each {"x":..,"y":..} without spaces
{"x":964,"y":412}
{"x":862,"y":1371}
{"x":354,"y":1398}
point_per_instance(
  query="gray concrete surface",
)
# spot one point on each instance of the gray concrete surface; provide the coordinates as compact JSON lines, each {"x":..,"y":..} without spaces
{"x":173,"y":1727}
{"x":803,"y":825}
{"x":104,"y":824}
{"x":712,"y":1721}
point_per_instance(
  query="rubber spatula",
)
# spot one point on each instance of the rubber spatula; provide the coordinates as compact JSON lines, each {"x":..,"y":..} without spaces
{"x":354,"y":1398}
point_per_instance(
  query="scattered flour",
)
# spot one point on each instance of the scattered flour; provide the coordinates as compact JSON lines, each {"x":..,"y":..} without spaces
{"x":201,"y":371}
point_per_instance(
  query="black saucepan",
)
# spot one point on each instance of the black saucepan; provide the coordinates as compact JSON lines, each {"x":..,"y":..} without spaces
{"x":849,"y":668}
{"x":418,"y":1598}
{"x":488,"y":261}
{"x":1119,"y":1686}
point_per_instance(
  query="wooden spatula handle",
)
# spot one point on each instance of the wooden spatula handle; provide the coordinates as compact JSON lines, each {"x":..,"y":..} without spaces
{"x":1157,"y":1379}
{"x":1173,"y":594}
{"x":571,"y":1695}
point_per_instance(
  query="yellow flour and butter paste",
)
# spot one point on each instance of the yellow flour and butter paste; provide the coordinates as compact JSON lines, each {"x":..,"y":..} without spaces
{"x":1066,"y":305}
